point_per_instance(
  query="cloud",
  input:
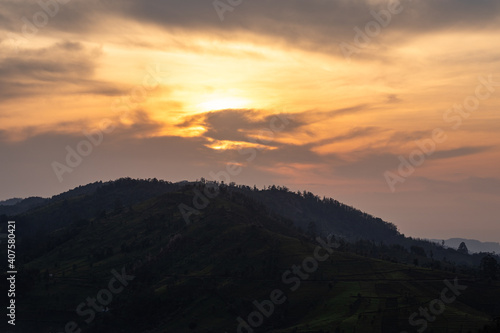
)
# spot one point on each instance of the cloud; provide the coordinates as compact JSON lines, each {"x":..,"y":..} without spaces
{"x":349,"y":124}
{"x":315,"y":25}
{"x":459,"y":152}
{"x":238,"y":125}
{"x":138,"y":124}
{"x":230,"y":124}
{"x":393,"y":98}
{"x":74,"y":16}
{"x":312,"y":24}
{"x":64,"y":67}
{"x":401,"y":137}
{"x":354,"y":133}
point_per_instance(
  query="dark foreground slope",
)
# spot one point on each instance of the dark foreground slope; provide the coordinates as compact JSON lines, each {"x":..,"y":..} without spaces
{"x":203,"y":276}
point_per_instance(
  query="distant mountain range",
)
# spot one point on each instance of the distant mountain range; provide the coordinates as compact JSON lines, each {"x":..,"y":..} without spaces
{"x":474,"y":246}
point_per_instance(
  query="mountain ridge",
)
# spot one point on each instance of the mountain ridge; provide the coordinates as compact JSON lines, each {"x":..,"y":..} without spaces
{"x":203,"y":276}
{"x":473,"y":245}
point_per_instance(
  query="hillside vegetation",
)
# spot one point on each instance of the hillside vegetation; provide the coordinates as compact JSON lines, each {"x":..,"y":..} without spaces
{"x":218,"y":270}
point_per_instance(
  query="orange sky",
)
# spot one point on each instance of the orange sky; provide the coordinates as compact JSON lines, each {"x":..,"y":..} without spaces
{"x":185,"y":92}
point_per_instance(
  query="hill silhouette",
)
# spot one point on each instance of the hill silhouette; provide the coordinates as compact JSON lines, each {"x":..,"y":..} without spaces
{"x":244,"y":260}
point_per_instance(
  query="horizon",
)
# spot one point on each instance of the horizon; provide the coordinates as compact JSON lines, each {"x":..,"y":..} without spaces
{"x":263,"y":188}
{"x":387,"y":106}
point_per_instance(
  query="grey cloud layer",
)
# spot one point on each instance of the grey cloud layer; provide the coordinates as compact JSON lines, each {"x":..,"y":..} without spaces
{"x":65,"y":67}
{"x":311,"y":24}
{"x":323,"y":21}
{"x":174,"y":158}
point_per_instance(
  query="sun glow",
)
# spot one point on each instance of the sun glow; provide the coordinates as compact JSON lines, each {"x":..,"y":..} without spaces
{"x":235,"y":145}
{"x":223,"y":104}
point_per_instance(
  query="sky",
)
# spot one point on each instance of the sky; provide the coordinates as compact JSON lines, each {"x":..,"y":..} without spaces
{"x":389,"y":106}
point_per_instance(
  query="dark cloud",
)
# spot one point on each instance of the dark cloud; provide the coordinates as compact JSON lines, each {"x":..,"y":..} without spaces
{"x":70,"y":46}
{"x":75,"y":16}
{"x":140,"y":125}
{"x":65,"y":67}
{"x":315,"y":116}
{"x":459,"y":152}
{"x":324,"y":22}
{"x":228,"y":124}
{"x":357,"y":132}
{"x":372,"y":163}
{"x":68,"y":67}
{"x":128,"y":150}
{"x":236,"y":125}
{"x":392,"y":98}
{"x":243,"y":125}
{"x":400,"y":137}
{"x":316,"y":25}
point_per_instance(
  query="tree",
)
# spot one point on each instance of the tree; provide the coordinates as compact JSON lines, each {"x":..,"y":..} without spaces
{"x":462,"y":248}
{"x":311,"y":229}
{"x":418,"y":250}
{"x":489,"y":267}
{"x":118,"y":206}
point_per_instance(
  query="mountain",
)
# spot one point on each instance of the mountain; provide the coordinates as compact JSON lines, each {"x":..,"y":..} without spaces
{"x":473,"y":245}
{"x":10,"y":202}
{"x":17,"y":206}
{"x":154,"y":256}
{"x":326,"y":215}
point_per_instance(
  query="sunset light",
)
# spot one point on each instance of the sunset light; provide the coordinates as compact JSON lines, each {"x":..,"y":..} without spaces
{"x":250,"y":166}
{"x":224,"y":103}
{"x":392,"y":105}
